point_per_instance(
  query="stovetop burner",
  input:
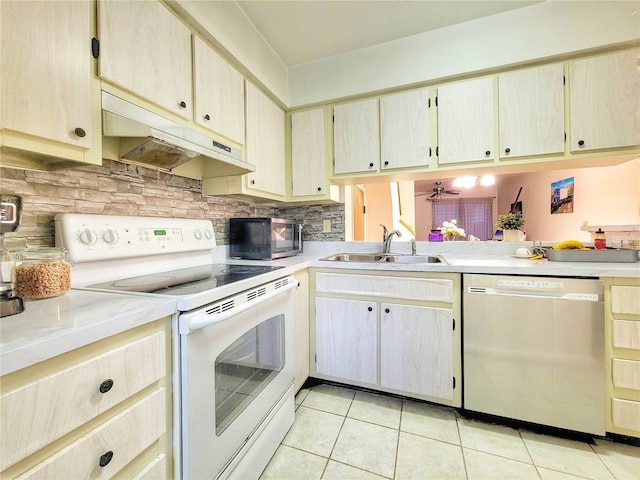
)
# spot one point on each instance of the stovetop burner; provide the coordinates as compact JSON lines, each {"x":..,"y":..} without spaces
{"x":186,"y":280}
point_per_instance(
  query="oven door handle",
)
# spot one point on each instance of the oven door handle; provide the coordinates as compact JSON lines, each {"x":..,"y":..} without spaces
{"x":206,"y":320}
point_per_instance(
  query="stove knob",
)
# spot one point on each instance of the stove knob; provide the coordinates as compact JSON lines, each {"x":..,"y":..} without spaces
{"x":208,"y":235}
{"x":87,"y":237}
{"x":197,"y":234}
{"x":110,"y":237}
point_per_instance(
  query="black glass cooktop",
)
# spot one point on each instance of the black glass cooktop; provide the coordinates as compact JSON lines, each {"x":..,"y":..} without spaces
{"x":186,"y":280}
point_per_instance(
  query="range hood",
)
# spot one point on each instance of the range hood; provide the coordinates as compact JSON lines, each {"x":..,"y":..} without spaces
{"x":149,"y":139}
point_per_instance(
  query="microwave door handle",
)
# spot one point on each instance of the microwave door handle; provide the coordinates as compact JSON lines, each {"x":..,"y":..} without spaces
{"x":204,"y":320}
{"x":300,"y":227}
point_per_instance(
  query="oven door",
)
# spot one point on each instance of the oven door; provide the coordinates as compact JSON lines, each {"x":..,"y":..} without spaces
{"x":235,"y":367}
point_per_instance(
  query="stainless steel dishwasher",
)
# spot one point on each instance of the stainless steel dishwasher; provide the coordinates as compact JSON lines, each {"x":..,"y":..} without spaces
{"x":533,"y":350}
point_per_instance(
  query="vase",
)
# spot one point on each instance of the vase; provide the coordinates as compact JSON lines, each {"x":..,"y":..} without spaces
{"x":449,"y":237}
{"x":512,"y":235}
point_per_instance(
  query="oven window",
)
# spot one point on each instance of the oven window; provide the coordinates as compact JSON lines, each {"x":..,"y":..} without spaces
{"x":246,"y":367}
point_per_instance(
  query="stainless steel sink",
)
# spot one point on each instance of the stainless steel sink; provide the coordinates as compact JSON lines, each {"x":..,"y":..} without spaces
{"x":382,"y":258}
{"x":414,"y":259}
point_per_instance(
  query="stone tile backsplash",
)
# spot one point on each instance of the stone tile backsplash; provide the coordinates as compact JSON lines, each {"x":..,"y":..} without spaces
{"x":117,"y":188}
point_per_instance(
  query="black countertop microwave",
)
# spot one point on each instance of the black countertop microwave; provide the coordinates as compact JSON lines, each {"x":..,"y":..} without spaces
{"x":264,"y":238}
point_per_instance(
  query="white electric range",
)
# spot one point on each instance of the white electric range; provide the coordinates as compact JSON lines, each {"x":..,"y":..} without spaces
{"x":233,"y":333}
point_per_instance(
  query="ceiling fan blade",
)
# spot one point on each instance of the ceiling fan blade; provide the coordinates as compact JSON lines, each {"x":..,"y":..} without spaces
{"x":452,"y":192}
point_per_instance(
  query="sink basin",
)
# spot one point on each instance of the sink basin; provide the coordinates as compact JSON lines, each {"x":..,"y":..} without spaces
{"x":356,"y":257}
{"x":413,"y":259}
{"x":382,"y":258}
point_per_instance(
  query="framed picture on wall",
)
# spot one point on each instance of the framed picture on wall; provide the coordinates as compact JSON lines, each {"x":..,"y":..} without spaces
{"x":562,"y":196}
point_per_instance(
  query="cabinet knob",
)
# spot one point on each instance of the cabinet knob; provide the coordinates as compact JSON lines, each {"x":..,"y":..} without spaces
{"x":183,"y":104}
{"x":207,"y":117}
{"x":507,"y":150}
{"x":487,"y":153}
{"x":106,"y":458}
{"x":386,"y":163}
{"x":386,"y":310}
{"x":106,"y":385}
{"x":252,"y":182}
{"x":370,"y":309}
{"x":581,"y":142}
{"x":80,"y":132}
{"x":371,"y":165}
{"x":319,"y":189}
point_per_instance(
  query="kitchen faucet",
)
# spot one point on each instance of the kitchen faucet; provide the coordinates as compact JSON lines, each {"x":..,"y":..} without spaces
{"x":387,"y":237}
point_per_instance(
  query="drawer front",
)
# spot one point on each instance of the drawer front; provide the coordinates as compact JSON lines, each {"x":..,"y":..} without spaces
{"x":42,"y":411}
{"x":626,"y":374}
{"x":625,"y":299}
{"x":126,"y":436}
{"x":626,"y":334}
{"x":626,"y":414}
{"x":427,"y":289}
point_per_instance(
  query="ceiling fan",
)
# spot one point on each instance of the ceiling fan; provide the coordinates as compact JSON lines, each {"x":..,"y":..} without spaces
{"x":438,"y":192}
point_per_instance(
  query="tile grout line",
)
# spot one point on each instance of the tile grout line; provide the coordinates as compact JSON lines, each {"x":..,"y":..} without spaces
{"x":602,"y":461}
{"x":464,"y":460}
{"x":344,"y":419}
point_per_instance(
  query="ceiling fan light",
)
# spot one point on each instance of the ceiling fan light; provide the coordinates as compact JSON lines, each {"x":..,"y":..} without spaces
{"x":466,"y":182}
{"x":487,"y":180}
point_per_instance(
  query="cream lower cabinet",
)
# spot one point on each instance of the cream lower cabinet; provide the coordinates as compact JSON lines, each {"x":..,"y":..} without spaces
{"x":302,"y":329}
{"x":101,"y":411}
{"x":622,"y":335}
{"x":389,"y":331}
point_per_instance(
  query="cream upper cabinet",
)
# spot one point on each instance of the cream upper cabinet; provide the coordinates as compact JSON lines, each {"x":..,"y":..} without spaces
{"x":531,"y":111}
{"x":356,"y":135}
{"x":308,"y":153}
{"x":45,"y":73}
{"x":466,"y":121}
{"x":219,"y":93}
{"x":404,"y":129}
{"x":146,"y":49}
{"x":265,"y":143}
{"x":604,"y":94}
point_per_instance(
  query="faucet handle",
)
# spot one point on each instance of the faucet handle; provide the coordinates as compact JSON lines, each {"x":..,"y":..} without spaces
{"x":413,"y":247}
{"x":385,"y":233}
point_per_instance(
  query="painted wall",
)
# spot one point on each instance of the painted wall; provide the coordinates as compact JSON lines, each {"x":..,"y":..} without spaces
{"x":603,"y":196}
{"x":541,"y":31}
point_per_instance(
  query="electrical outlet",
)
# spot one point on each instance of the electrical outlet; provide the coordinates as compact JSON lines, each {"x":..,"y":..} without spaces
{"x":326,"y":226}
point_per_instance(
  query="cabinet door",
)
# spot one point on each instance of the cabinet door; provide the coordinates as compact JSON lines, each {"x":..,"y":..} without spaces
{"x":219,"y":93}
{"x":466,"y":121}
{"x":346,"y":339}
{"x":532,"y":111}
{"x":416,"y":350}
{"x":356,"y":133}
{"x":404,"y":129}
{"x":146,"y":49}
{"x":46,"y":70}
{"x":604,"y":95}
{"x":265,"y":142}
{"x":308,"y":153}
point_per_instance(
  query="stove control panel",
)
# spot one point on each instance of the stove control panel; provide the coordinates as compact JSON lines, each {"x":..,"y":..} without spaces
{"x":103,"y":237}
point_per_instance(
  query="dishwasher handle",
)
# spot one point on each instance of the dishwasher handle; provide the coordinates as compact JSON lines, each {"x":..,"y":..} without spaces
{"x":588,"y":297}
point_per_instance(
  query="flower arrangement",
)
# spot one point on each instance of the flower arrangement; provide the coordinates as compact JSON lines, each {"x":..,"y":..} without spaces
{"x":451,"y":230}
{"x":510,"y":221}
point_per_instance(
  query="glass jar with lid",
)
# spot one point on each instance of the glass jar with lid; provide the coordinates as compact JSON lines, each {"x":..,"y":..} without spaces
{"x":42,"y":272}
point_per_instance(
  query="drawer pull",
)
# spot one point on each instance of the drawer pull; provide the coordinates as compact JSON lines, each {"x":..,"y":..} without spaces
{"x":106,"y":458}
{"x":106,"y":386}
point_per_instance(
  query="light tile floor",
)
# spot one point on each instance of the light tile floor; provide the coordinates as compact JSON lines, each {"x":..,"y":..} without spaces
{"x":342,"y":434}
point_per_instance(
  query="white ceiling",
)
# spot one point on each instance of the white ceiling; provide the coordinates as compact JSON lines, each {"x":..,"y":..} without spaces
{"x":301,"y":31}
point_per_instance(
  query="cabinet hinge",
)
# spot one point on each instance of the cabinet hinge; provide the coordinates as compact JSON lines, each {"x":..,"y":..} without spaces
{"x":429,"y":104}
{"x":565,"y":137}
{"x":454,"y":323}
{"x":436,"y":101}
{"x":437,"y":151}
{"x":564,"y":79}
{"x":333,"y":118}
{"x":95,"y":47}
{"x":315,"y":358}
{"x":364,"y":209}
{"x":454,"y":383}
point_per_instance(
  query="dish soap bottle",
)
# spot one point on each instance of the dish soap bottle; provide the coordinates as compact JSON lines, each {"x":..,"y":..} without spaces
{"x":599,"y":240}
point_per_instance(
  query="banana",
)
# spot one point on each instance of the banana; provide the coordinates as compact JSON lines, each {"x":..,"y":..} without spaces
{"x":569,"y":245}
